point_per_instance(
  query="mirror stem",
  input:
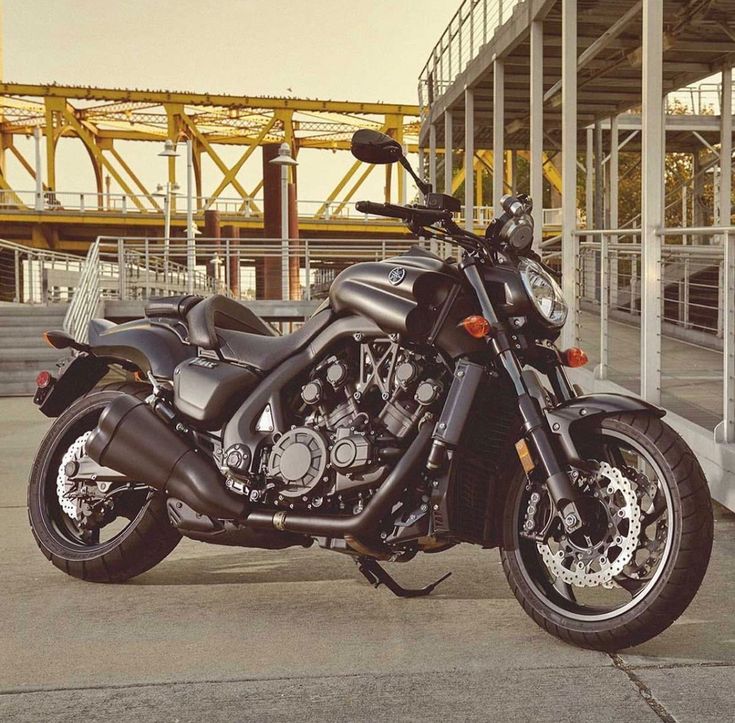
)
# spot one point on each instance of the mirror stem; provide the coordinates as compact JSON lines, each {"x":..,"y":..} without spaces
{"x":423,"y":186}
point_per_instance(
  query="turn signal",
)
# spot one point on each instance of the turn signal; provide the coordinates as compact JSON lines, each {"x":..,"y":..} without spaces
{"x":574,"y":357}
{"x":43,"y":379}
{"x":477,"y":326}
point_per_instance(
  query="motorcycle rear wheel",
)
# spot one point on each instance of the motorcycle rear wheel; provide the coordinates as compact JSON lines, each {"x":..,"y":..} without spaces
{"x":138,"y":538}
{"x":655,"y":589}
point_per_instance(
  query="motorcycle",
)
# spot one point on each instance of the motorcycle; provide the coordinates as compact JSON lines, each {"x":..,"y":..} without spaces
{"x":423,"y":405}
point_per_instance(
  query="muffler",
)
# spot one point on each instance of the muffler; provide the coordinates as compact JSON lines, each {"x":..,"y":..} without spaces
{"x":131,"y":439}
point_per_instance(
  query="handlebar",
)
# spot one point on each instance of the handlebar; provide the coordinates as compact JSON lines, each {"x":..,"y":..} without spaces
{"x":410,"y":214}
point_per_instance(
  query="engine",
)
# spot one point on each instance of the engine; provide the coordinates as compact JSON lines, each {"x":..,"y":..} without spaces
{"x":353,"y":414}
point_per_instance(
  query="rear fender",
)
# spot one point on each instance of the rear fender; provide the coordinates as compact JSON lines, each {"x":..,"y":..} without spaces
{"x":77,"y":375}
{"x":571,"y":415}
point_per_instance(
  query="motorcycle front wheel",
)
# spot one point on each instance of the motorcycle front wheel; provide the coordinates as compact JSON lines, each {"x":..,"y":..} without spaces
{"x":640,"y":559}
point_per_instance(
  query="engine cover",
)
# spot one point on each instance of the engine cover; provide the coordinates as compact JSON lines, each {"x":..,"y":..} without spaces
{"x":298,"y":461}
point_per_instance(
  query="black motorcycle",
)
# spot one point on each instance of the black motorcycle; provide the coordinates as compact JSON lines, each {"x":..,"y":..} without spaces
{"x":423,"y":405}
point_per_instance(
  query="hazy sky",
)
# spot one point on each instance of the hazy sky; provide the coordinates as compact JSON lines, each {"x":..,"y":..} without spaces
{"x":371,"y":50}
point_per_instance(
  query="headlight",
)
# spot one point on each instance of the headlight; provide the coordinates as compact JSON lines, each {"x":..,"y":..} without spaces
{"x":544,"y":292}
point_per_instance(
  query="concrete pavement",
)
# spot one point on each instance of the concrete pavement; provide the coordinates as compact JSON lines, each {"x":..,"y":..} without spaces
{"x":228,"y":634}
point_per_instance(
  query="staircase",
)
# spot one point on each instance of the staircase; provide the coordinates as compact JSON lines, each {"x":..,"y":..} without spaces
{"x":23,"y":352}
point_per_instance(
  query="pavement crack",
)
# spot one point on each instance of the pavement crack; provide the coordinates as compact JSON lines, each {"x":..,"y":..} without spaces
{"x":645,"y":692}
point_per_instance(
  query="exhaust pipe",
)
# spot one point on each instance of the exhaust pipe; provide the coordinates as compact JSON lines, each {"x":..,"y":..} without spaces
{"x":132,"y":440}
{"x":357,"y":526}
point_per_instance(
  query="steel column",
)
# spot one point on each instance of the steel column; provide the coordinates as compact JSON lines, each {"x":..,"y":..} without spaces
{"x":448,"y":152}
{"x":589,"y":179}
{"x":652,"y":200}
{"x":469,"y":156}
{"x":498,"y":132}
{"x":39,"y":176}
{"x":569,"y":240}
{"x":614,"y":176}
{"x":728,"y":417}
{"x":432,"y":155}
{"x":537,"y":130}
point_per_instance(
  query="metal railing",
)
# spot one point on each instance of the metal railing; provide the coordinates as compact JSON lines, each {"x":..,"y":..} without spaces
{"x":37,"y":276}
{"x":696,"y":321}
{"x":60,"y":202}
{"x":471,"y":27}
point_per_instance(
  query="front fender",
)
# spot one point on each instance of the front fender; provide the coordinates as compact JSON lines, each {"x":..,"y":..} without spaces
{"x":573,"y":412}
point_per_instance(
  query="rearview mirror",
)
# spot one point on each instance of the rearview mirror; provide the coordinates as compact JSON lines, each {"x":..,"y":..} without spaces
{"x":374,"y":147}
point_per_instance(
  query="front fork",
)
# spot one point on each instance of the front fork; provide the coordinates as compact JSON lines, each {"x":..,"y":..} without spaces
{"x":535,"y":427}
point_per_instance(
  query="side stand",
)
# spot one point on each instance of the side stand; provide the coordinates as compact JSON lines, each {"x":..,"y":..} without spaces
{"x":376,"y":576}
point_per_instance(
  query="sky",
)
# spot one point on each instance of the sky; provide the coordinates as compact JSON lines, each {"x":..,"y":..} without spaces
{"x":367,"y":50}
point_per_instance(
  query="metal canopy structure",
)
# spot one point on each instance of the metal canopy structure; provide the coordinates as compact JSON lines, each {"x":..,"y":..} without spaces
{"x":579,"y":83}
{"x":103,"y":118}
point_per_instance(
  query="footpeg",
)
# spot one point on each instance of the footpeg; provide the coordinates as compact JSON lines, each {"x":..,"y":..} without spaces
{"x":377,"y":576}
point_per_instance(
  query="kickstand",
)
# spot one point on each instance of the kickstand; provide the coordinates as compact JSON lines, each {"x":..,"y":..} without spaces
{"x":376,"y":576}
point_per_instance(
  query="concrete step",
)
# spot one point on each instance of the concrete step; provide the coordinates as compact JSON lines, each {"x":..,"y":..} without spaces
{"x":24,"y":353}
{"x":33,"y":310}
{"x":30,"y":365}
{"x":18,"y":389}
{"x":39,"y":321}
{"x":30,"y":339}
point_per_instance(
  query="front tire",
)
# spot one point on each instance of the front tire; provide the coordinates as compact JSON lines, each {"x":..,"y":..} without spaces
{"x":681,"y":538}
{"x":146,"y":538}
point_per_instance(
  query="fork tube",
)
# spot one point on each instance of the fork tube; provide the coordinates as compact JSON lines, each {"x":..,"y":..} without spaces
{"x":534,"y":424}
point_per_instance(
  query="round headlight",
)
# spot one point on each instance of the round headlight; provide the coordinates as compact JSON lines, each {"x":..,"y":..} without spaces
{"x":545,"y":293}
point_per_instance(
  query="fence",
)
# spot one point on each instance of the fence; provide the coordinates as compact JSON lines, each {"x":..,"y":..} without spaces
{"x":694,"y":326}
{"x":471,"y":27}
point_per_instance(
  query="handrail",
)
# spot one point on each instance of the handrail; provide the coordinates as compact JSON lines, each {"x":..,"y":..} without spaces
{"x":84,"y":303}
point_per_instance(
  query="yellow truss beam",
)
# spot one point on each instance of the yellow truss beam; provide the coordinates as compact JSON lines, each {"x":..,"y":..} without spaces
{"x":95,"y":151}
{"x":232,"y":172}
{"x":206,"y":99}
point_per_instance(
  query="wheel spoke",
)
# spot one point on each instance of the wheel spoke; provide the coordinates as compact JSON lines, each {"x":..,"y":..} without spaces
{"x":564,"y":589}
{"x":631,"y":585}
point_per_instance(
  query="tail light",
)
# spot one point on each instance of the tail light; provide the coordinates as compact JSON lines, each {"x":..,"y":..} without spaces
{"x":44,"y":379}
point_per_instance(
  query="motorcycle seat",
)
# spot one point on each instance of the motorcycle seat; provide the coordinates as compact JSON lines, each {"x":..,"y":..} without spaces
{"x":238,"y":334}
{"x":170,"y":307}
{"x":218,"y":312}
{"x":267,"y":352}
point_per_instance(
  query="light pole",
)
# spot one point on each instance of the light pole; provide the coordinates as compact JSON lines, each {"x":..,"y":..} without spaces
{"x":284,"y":160}
{"x":39,"y":178}
{"x":167,"y":191}
{"x":169,"y":151}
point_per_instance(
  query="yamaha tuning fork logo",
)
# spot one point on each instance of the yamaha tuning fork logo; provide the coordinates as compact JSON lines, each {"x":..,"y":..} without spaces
{"x":396,"y":275}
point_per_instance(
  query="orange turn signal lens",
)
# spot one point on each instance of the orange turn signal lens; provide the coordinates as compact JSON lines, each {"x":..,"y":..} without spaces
{"x":477,"y":326}
{"x":574,"y":357}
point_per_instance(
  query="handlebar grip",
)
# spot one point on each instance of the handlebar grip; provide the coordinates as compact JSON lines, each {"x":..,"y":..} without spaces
{"x":382,"y":209}
{"x":424,"y":216}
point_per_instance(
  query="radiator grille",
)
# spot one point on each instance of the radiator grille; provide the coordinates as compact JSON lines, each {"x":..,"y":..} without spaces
{"x":491,"y":430}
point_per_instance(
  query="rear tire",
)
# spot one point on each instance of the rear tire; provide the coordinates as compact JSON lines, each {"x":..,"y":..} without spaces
{"x":142,"y":544}
{"x":683,"y":567}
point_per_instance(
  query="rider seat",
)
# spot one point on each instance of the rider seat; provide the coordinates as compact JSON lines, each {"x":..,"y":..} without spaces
{"x":238,"y":334}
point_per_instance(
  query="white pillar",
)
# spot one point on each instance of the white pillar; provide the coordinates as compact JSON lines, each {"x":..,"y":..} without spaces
{"x":728,"y":290}
{"x":652,"y":195}
{"x":448,"y":152}
{"x":589,"y":188}
{"x":284,"y":233}
{"x":469,"y":157}
{"x":614,"y":200}
{"x":569,"y":241}
{"x":191,"y":258}
{"x":38,"y":170}
{"x":432,"y":156}
{"x":498,"y":132}
{"x":537,"y":130}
